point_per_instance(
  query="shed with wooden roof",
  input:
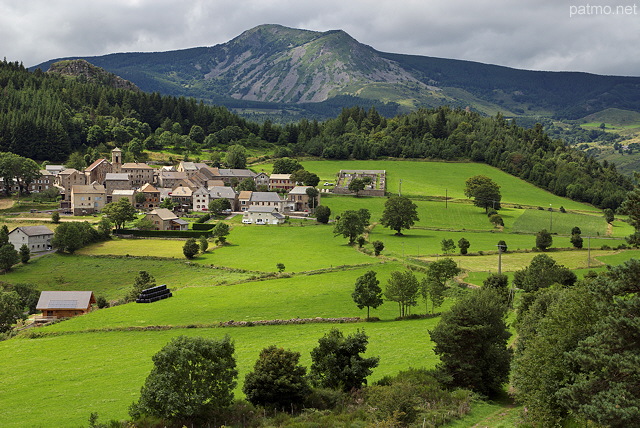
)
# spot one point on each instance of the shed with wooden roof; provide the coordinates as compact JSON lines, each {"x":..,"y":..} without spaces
{"x":65,"y":304}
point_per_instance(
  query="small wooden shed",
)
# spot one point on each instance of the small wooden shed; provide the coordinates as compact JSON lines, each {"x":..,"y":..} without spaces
{"x":65,"y":304}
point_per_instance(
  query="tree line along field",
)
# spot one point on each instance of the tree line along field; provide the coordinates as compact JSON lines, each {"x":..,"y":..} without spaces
{"x":74,"y":360}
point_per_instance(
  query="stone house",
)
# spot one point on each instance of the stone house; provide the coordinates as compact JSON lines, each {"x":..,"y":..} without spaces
{"x":88,"y":199}
{"x":37,"y":238}
{"x":163,"y":219}
{"x":151,"y":197}
{"x":119,"y":181}
{"x":139,"y":173}
{"x":299,"y":200}
{"x":281,"y":182}
{"x":67,"y":179}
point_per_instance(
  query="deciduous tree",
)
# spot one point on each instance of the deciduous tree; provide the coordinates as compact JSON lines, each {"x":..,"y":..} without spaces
{"x":120,"y":212}
{"x":402,"y":287}
{"x":484,"y":191}
{"x":471,"y":341}
{"x":337,"y":362}
{"x":277,"y":380}
{"x":323,"y":213}
{"x":399,"y":213}
{"x":351,"y":224}
{"x":367,"y":292}
{"x":543,"y":240}
{"x":192,"y":379}
{"x":11,"y":310}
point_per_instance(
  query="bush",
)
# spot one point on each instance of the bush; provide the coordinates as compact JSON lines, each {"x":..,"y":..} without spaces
{"x":378,"y":246}
{"x":277,"y":380}
{"x":190,"y":248}
{"x":202,"y":226}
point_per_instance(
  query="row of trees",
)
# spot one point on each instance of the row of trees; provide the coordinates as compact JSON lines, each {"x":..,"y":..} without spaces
{"x":404,"y":288}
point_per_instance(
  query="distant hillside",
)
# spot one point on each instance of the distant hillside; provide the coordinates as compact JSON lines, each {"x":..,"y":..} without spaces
{"x":614,"y":116}
{"x":89,"y":73}
{"x":276,"y":67}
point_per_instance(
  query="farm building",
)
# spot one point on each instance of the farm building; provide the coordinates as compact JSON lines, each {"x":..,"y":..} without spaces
{"x":37,"y":238}
{"x":65,"y":304}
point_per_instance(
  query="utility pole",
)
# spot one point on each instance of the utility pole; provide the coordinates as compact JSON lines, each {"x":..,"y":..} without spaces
{"x":400,"y":188}
{"x":589,"y":252}
{"x":550,"y":218}
{"x":446,"y":199}
{"x":499,"y":259}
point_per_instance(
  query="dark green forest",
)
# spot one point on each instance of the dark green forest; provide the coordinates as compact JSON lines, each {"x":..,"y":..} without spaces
{"x":45,"y":116}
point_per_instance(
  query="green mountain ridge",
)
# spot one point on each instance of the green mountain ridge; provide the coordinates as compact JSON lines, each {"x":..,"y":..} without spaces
{"x":272,"y":66}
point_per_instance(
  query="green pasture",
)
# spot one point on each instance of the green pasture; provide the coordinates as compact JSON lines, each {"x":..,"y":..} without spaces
{"x":443,"y":178}
{"x":576,"y":259}
{"x":532,"y":221}
{"x":420,"y":242}
{"x":73,"y":375}
{"x":432,"y":214}
{"x":167,"y":248}
{"x":326,"y":295}
{"x":301,"y":246}
{"x":112,"y":277}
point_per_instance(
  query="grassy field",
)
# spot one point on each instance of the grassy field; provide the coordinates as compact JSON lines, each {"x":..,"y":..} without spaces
{"x":441,"y":178}
{"x":237,"y":282}
{"x":326,"y":295}
{"x":301,"y":246}
{"x":81,"y":368}
{"x":112,"y":277}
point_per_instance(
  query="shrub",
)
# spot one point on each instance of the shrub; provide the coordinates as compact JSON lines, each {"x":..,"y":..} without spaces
{"x":190,"y":248}
{"x":277,"y":380}
{"x":378,"y":246}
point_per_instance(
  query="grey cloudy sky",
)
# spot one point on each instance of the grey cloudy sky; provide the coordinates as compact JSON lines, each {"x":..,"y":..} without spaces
{"x":533,"y":34}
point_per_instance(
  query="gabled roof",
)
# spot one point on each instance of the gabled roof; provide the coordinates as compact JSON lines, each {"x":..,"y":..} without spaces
{"x":69,"y":171}
{"x":135,"y":165}
{"x":182,"y":191}
{"x":236,"y":173}
{"x":299,"y":190}
{"x":95,"y":164}
{"x":177,"y":175}
{"x":265,"y":210}
{"x":88,"y":188}
{"x":148,"y":188}
{"x":280,"y":176}
{"x":124,"y":192}
{"x":261,"y":209}
{"x":33,"y":230}
{"x":54,"y":168}
{"x":200,"y":191}
{"x":187,"y":166}
{"x":222,"y":192}
{"x":265,"y":197}
{"x":164,"y":214}
{"x":245,"y":194}
{"x":116,"y":176}
{"x":65,"y":300}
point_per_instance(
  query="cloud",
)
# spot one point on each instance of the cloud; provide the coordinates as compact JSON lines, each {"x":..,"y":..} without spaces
{"x":532,"y":34}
